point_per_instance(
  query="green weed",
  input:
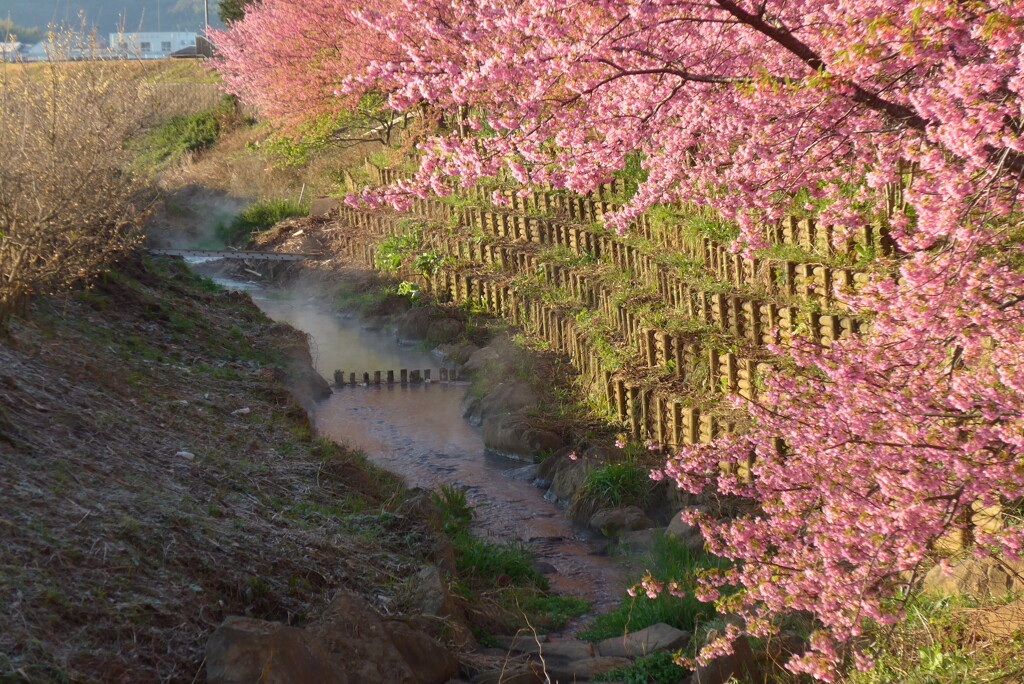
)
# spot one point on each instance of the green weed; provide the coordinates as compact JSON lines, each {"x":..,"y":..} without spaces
{"x":256,"y":218}
{"x":165,"y":144}
{"x":657,"y":668}
{"x":670,"y":559}
{"x":393,"y":249}
{"x":617,"y":484}
{"x":554,"y":611}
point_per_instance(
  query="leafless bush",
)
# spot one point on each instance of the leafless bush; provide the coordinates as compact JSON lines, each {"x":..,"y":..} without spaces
{"x":68,"y":205}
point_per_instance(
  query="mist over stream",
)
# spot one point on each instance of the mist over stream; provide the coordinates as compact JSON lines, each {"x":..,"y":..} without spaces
{"x":418,"y":432}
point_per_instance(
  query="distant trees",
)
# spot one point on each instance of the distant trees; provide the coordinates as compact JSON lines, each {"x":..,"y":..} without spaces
{"x":23,"y":34}
{"x":231,"y":11}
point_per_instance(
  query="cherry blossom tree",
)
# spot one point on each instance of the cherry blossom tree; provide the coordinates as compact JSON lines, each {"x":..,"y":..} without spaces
{"x":865,"y":453}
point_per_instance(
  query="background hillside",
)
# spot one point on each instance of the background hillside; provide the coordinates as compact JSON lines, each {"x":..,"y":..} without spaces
{"x":108,"y":15}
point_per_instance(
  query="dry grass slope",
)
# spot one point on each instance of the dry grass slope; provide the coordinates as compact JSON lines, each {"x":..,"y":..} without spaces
{"x":119,"y":553}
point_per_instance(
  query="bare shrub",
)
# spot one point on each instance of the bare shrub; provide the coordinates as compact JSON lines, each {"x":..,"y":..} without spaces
{"x":68,"y":205}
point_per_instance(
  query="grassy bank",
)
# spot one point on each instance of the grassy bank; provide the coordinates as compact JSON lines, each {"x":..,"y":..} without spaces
{"x":159,"y":477}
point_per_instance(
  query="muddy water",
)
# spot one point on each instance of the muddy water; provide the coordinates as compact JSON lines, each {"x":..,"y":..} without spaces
{"x":418,"y":432}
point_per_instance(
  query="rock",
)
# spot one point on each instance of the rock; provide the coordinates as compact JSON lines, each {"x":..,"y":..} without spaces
{"x":695,"y":543}
{"x":242,"y":411}
{"x":508,"y":397}
{"x":545,"y":568}
{"x":305,"y":383}
{"x":640,"y":541}
{"x":612,"y":521}
{"x":975,"y":577}
{"x":322,"y":206}
{"x":244,"y":651}
{"x":739,"y":664}
{"x":521,"y":643}
{"x":681,"y":530}
{"x":566,"y":476}
{"x":455,"y":352}
{"x":659,"y":637}
{"x":1004,"y":622}
{"x":413,"y":325}
{"x":444,"y":330}
{"x":485,"y":358}
{"x":187,"y":455}
{"x":358,"y":640}
{"x":524,"y":474}
{"x":584,"y":668}
{"x":514,"y":436}
{"x":430,"y":596}
{"x":429,"y":660}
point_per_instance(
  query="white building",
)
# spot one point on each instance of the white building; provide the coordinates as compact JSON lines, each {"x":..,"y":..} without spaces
{"x":151,"y":44}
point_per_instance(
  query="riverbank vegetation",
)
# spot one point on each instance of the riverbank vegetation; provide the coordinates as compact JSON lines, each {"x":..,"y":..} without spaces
{"x":852,"y":282}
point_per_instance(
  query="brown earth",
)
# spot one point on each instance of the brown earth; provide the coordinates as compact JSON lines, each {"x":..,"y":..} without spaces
{"x":158,"y":477}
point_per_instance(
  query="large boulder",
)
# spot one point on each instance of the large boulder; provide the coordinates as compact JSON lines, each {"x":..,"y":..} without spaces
{"x":426,"y":323}
{"x":507,"y":397}
{"x":975,"y":577}
{"x":637,"y":542}
{"x":659,"y":637}
{"x":357,"y":638}
{"x":563,"y":476}
{"x":514,"y":436}
{"x":304,"y":382}
{"x":739,"y":665}
{"x":430,"y":662}
{"x":688,"y":534}
{"x":445,"y":330}
{"x":483,"y":359}
{"x":612,"y":521}
{"x":245,"y":651}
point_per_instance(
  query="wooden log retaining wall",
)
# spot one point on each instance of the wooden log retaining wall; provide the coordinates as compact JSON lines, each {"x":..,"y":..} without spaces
{"x":649,"y":412}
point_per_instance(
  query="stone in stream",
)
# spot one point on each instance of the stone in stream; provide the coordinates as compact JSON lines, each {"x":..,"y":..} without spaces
{"x":565,"y":475}
{"x":524,"y":474}
{"x":514,"y":436}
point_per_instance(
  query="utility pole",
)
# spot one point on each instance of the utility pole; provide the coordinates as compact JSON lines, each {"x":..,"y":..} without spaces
{"x":206,"y":16}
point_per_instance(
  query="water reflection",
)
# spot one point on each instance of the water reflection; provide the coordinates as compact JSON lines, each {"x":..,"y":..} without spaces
{"x":417,"y":431}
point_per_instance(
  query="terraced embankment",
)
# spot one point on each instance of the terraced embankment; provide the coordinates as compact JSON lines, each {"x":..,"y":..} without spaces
{"x":661,"y":324}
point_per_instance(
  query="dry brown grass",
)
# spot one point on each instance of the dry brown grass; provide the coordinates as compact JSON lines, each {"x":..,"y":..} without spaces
{"x":118,"y":554}
{"x":67,"y":205}
{"x":238,"y":166}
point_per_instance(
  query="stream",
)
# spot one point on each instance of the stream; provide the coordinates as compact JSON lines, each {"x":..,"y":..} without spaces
{"x":418,"y":432}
